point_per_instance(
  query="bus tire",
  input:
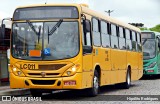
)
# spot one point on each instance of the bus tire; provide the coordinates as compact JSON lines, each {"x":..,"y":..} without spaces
{"x":35,"y":92}
{"x":95,"y":85}
{"x":127,"y":84}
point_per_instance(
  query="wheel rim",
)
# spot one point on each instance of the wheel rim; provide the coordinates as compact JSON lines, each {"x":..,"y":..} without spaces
{"x":96,"y":84}
{"x":128,"y":79}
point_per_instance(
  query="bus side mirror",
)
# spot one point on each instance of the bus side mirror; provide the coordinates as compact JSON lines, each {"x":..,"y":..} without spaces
{"x":87,"y":26}
{"x":3,"y":31}
{"x":8,"y":53}
{"x":87,"y":49}
{"x":159,"y":43}
{"x":3,"y":26}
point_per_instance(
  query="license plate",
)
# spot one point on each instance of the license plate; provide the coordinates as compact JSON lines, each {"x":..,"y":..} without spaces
{"x":69,"y":83}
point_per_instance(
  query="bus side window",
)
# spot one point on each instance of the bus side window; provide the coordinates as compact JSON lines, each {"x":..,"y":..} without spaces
{"x":114,"y":38}
{"x":134,"y":41}
{"x":139,"y":46}
{"x":86,"y":37}
{"x":105,"y":37}
{"x":96,"y":32}
{"x":128,"y":40}
{"x":122,"y":44}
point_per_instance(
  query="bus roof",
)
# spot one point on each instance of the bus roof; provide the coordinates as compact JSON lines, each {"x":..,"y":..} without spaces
{"x":149,"y":31}
{"x":108,"y":19}
{"x":90,"y":12}
{"x":38,"y":5}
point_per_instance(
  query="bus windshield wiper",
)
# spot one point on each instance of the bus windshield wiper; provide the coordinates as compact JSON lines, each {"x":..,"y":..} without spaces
{"x":33,"y":28}
{"x":144,"y":41}
{"x":54,"y":28}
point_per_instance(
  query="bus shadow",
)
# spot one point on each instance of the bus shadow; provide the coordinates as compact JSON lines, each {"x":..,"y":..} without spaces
{"x":150,"y":77}
{"x":113,"y":88}
{"x":81,"y":95}
{"x":73,"y":95}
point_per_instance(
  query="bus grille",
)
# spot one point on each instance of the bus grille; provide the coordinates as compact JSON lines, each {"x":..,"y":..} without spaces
{"x":43,"y":82}
{"x":51,"y":67}
{"x":39,"y":74}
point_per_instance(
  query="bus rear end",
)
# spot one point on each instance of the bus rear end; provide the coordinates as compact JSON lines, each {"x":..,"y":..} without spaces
{"x":45,"y":48}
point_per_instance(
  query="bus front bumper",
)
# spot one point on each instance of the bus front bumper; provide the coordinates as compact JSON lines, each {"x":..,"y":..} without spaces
{"x":71,"y":82}
{"x":150,"y":71}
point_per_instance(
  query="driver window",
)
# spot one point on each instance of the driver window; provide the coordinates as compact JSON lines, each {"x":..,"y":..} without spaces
{"x":86,"y":38}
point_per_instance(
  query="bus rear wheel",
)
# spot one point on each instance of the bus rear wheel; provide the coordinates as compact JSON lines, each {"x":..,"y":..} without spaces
{"x":35,"y":92}
{"x":127,"y":84}
{"x":95,"y":86}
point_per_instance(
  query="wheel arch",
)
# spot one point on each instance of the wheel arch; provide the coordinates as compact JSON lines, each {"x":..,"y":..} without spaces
{"x":129,"y":70}
{"x":98,"y":69}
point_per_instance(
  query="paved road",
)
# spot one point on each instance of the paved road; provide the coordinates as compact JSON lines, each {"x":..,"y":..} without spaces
{"x":145,"y":86}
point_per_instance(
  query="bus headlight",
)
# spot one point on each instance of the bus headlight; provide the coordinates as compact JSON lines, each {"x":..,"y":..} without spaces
{"x":71,"y":71}
{"x":152,"y":65}
{"x":14,"y":69}
{"x":17,"y":72}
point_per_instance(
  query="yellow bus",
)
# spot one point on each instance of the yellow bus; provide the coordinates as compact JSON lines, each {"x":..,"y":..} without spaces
{"x":69,"y":46}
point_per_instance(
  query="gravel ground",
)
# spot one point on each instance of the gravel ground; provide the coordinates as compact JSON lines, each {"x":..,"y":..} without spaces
{"x":145,"y":86}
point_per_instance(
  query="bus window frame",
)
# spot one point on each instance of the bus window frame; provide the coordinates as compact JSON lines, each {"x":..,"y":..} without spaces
{"x":111,"y":23}
{"x":132,"y":31}
{"x":108,"y":33}
{"x":130,"y":35}
{"x":99,"y":31}
{"x":74,"y":20}
{"x":84,"y":38}
{"x":139,"y":42}
{"x":123,"y":28}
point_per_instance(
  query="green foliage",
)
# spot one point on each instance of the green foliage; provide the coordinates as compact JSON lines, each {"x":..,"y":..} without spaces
{"x":156,"y":28}
{"x":143,"y":28}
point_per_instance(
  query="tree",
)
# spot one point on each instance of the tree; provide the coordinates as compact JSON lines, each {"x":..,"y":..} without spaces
{"x":143,"y":28}
{"x":156,"y":28}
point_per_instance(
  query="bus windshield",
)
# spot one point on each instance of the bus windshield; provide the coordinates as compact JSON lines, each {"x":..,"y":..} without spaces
{"x":149,"y":48}
{"x":54,"y":40}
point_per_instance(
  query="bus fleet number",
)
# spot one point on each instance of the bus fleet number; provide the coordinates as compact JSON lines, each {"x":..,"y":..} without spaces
{"x":28,"y":66}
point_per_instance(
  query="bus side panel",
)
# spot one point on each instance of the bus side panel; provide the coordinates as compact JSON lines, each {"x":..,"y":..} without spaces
{"x":131,"y":61}
{"x":158,"y":59}
{"x":140,"y":65}
{"x":115,"y":65}
{"x":105,"y":65}
{"x":87,"y":71}
{"x":122,"y":58}
{"x":97,"y":59}
{"x":135,"y":64}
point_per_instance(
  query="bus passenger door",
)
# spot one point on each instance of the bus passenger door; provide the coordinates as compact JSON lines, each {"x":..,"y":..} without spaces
{"x":158,"y":54}
{"x":87,"y":55}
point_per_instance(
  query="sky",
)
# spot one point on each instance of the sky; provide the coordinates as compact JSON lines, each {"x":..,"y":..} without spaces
{"x":128,"y":11}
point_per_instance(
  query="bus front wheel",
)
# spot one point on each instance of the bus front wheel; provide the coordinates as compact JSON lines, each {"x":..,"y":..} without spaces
{"x":95,"y":85}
